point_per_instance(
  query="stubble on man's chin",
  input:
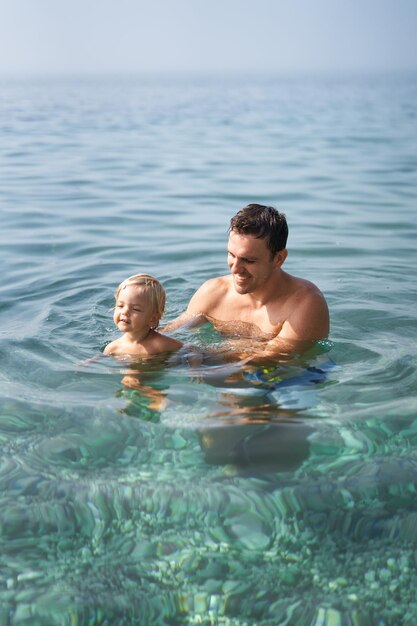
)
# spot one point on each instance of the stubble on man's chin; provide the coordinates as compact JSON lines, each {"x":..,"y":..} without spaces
{"x":242,"y":289}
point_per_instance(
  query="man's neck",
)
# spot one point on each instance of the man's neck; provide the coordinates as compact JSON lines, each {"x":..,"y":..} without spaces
{"x":270,"y":292}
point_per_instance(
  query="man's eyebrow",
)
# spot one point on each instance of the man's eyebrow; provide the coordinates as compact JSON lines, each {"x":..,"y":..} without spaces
{"x":244,"y":258}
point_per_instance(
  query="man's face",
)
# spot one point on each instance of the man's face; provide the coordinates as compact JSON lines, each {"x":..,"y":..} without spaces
{"x":250,"y":262}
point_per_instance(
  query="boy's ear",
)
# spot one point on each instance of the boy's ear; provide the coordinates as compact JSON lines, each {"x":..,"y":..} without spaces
{"x":154,"y":322}
{"x":280,"y":257}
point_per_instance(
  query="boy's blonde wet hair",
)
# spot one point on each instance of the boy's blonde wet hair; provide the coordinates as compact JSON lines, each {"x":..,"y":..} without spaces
{"x":152,"y":286}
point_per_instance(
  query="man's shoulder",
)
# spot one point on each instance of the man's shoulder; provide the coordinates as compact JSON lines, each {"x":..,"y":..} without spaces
{"x":307,"y":310}
{"x":209,"y":295}
{"x":301,"y":288}
{"x":217,"y":284}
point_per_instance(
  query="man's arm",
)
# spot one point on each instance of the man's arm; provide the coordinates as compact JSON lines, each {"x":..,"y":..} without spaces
{"x":309,"y":319}
{"x":185,"y":320}
{"x":308,"y":323}
{"x":196,"y":312}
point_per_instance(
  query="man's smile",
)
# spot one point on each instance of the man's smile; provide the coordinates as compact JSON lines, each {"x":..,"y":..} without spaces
{"x":241,"y":279}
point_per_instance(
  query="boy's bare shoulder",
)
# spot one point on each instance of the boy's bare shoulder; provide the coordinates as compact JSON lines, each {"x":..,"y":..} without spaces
{"x":112,"y":347}
{"x":162,"y":343}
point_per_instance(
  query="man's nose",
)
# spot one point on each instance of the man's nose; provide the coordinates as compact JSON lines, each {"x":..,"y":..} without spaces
{"x":236,"y":266}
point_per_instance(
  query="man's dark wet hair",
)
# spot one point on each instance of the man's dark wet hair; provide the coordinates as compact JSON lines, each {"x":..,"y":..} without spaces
{"x":262,"y":222}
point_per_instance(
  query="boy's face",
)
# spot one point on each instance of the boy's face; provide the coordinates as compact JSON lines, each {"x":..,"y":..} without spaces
{"x":133,"y":310}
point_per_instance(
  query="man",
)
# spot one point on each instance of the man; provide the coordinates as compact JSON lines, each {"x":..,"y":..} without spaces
{"x":268,"y":313}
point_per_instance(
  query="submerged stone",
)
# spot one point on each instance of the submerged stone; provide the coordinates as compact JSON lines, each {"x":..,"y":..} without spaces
{"x":249,"y":530}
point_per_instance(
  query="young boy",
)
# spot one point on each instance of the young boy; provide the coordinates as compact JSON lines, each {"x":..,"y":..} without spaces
{"x":140,"y":303}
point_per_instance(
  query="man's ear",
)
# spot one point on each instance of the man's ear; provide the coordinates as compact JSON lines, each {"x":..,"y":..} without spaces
{"x":280,"y":257}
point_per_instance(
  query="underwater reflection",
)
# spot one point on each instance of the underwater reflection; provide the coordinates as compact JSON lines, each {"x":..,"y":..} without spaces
{"x":264,"y":420}
{"x":255,"y":432}
{"x":279,"y":446}
{"x":241,"y":425}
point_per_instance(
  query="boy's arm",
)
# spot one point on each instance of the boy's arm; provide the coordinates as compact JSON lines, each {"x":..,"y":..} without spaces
{"x":92,"y":359}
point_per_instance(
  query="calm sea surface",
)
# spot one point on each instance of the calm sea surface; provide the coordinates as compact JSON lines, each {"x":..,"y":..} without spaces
{"x":216,"y":496}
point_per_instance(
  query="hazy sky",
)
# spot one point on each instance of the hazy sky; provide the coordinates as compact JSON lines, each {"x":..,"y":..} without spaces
{"x":84,"y":36}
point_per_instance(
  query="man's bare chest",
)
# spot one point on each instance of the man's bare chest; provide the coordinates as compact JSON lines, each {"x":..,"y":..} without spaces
{"x":258,"y":329}
{"x":234,"y":316}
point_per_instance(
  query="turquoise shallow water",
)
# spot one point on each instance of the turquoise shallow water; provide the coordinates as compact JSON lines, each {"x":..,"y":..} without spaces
{"x":231,"y":500}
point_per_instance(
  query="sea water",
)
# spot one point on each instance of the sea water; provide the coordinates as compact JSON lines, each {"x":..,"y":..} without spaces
{"x":218,"y":494}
